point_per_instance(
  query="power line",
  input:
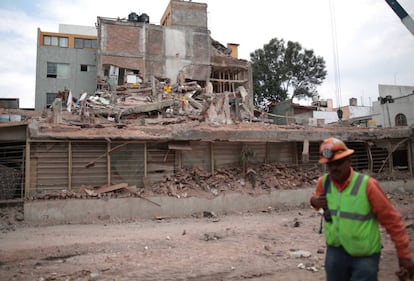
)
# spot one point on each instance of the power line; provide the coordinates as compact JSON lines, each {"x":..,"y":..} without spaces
{"x":337,"y":73}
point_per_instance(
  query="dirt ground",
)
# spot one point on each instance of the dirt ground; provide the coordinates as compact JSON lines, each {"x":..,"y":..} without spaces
{"x":275,"y":244}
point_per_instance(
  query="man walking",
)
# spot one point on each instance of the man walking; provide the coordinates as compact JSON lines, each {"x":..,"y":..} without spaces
{"x":354,"y":205}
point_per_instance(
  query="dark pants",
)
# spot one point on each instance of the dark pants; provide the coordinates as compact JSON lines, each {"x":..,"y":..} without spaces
{"x":340,"y":266}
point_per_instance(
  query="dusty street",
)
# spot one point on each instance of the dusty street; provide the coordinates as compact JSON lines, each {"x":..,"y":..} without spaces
{"x":280,"y":244}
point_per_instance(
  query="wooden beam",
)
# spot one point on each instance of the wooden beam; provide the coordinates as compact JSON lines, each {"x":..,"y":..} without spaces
{"x":116,"y":148}
{"x":69,"y":165}
{"x":27,"y":165}
{"x":106,"y":188}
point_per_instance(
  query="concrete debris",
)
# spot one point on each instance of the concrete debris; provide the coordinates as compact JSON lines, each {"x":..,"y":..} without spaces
{"x":197,"y":182}
{"x":86,"y":192}
{"x":105,"y":188}
{"x":299,"y":254}
{"x":208,"y":214}
{"x":211,"y":236}
{"x":268,"y":176}
{"x":10,"y":218}
{"x":136,"y":101}
{"x":308,"y":267}
{"x":320,"y":251}
{"x":10,"y":181}
{"x":296,"y":223}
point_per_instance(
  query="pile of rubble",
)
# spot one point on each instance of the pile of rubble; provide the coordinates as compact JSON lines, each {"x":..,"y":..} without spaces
{"x":141,"y":100}
{"x":11,"y":218}
{"x":257,"y":179}
{"x":10,"y":181}
{"x":196,"y":182}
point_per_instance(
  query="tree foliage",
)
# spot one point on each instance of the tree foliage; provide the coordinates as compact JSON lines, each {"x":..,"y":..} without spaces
{"x":280,"y":71}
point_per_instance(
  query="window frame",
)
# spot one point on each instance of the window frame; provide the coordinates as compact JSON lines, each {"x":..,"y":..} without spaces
{"x":60,"y":71}
{"x":87,"y":68}
{"x":56,"y":41}
{"x":401,"y":120}
{"x":85,"y":43}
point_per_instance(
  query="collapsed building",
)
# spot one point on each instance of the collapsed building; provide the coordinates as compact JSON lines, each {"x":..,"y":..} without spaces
{"x":172,"y":114}
{"x":179,"y":53}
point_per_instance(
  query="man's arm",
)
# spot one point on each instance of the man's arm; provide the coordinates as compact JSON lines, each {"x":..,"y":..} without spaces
{"x":389,"y":217}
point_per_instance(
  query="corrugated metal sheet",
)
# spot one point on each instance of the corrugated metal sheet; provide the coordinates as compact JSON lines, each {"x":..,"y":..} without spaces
{"x":284,"y":152}
{"x":198,"y":156}
{"x":82,"y":155}
{"x":259,"y":152}
{"x":160,"y":161}
{"x":225,"y":154}
{"x":49,"y":166}
{"x":50,"y":161}
{"x":128,"y":164}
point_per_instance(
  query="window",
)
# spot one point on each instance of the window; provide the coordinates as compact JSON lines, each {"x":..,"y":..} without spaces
{"x":54,"y":41}
{"x":400,"y":120}
{"x":85,"y":43}
{"x":87,"y":68}
{"x":50,"y":97}
{"x":63,"y":42}
{"x":58,"y":70}
{"x":57,"y":41}
{"x":78,"y":43}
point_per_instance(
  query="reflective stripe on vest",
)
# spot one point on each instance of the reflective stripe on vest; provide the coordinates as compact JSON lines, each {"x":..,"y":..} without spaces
{"x":353,"y":216}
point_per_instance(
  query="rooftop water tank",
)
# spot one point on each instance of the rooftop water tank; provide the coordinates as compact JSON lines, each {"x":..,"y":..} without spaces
{"x":144,"y":18}
{"x":133,"y":16}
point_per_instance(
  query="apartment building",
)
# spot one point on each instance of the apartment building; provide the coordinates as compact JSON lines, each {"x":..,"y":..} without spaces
{"x":65,"y":60}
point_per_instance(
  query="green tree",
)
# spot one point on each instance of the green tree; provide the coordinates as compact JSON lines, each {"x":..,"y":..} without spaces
{"x":280,"y":71}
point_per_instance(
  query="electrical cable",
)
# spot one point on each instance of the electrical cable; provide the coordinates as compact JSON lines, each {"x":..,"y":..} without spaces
{"x":337,"y":72}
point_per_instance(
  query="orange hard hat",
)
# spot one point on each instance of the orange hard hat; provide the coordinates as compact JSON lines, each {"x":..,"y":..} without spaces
{"x":333,"y":149}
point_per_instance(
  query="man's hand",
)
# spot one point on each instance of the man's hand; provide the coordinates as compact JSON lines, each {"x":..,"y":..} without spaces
{"x":319,"y":202}
{"x":406,"y":269}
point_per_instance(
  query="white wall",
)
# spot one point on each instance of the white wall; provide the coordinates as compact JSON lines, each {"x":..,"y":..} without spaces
{"x":78,"y":29}
{"x":395,"y":90}
{"x":359,"y":111}
{"x":403,"y":103}
{"x":328,"y":116}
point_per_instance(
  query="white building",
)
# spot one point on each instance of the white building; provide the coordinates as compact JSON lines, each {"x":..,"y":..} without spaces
{"x":394,"y":106}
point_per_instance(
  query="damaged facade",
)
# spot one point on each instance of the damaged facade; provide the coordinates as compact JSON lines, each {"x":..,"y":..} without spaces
{"x":172,"y":112}
{"x":149,"y":157}
{"x":179,"y":53}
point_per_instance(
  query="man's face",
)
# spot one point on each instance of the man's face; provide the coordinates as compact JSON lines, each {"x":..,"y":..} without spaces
{"x":339,"y":169}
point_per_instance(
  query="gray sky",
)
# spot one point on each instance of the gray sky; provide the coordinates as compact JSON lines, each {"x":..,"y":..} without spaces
{"x":373,"y":46}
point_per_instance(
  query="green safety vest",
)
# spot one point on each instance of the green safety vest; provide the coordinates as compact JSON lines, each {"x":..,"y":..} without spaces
{"x":353,"y":225}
